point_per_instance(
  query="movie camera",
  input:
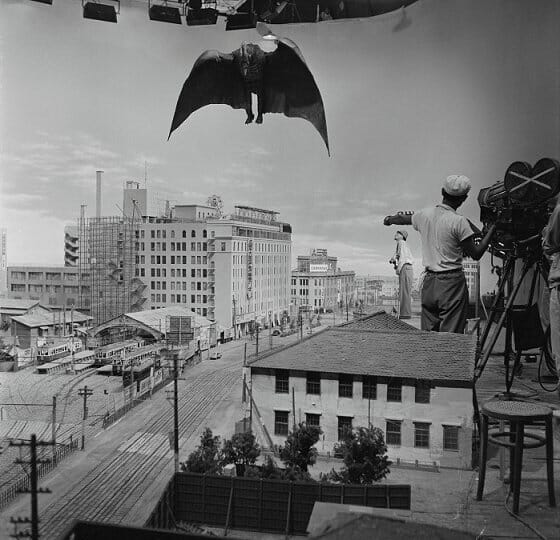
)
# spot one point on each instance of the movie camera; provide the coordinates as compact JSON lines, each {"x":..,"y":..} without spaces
{"x":520,"y":205}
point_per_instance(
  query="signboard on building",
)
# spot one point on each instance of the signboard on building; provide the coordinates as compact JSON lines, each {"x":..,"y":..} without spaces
{"x":180,"y":330}
{"x":249,"y":268}
{"x":323,"y":267}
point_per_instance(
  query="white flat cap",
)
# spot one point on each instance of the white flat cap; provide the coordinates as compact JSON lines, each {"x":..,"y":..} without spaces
{"x":457,"y":185}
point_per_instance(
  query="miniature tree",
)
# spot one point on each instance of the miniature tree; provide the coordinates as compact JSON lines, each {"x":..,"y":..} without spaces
{"x":299,"y":450}
{"x":242,"y":450}
{"x":207,"y":457}
{"x":364,"y":453}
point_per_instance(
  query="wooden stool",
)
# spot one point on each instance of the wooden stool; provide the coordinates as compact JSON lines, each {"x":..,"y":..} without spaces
{"x":518,"y":414}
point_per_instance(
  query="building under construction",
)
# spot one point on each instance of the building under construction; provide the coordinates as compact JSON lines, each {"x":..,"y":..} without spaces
{"x":111,"y":264}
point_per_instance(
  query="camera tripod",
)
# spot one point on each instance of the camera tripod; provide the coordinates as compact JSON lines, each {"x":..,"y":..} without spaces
{"x":529,"y":251}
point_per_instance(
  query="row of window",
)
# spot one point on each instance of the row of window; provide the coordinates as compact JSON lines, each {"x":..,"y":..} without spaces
{"x":161,"y":233}
{"x":393,"y":430}
{"x":346,"y":386}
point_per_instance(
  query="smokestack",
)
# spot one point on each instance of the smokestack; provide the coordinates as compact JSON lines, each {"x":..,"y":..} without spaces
{"x":98,"y":194}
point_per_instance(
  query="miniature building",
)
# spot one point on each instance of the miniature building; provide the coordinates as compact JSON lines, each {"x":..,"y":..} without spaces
{"x":416,"y":386}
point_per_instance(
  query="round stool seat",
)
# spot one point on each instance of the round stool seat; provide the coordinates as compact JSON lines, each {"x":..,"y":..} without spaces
{"x":516,"y":410}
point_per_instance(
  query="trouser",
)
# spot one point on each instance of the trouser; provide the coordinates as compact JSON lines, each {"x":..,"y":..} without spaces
{"x":445,"y":302}
{"x":405,"y":290}
{"x":555,"y":325}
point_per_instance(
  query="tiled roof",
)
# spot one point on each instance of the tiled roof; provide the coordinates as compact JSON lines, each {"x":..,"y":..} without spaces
{"x":381,"y":320}
{"x":433,"y":356}
{"x":34,"y":320}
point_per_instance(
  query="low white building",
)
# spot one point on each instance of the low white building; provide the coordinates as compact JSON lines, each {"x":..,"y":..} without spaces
{"x":416,"y":386}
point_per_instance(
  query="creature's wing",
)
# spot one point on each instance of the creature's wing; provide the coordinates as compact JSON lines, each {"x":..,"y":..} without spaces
{"x":289,"y":87}
{"x":214,"y":79}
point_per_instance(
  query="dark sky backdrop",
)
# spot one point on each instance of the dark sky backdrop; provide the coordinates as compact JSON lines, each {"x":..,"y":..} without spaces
{"x":466,"y":88}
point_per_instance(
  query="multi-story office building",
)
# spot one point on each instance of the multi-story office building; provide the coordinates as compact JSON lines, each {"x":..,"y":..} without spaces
{"x":233,"y":270}
{"x":3,"y":260}
{"x":53,"y":286}
{"x":317,"y":283}
{"x":471,"y":268}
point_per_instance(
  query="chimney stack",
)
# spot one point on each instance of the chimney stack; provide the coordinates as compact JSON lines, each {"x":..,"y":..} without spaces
{"x":98,"y":194}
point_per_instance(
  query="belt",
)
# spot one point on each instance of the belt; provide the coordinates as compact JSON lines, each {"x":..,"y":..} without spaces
{"x":444,"y":271}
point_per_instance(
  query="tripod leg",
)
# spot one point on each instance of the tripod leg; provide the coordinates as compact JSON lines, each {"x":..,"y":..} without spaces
{"x":508,"y":268}
{"x":505,"y":315}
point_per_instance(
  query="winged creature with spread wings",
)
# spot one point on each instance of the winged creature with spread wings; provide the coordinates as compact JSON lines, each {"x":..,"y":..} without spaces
{"x":280,"y":79}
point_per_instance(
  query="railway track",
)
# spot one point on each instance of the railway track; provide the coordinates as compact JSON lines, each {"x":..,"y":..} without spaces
{"x":110,"y":490}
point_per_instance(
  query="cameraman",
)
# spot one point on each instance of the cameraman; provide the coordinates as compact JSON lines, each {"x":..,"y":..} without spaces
{"x":551,"y":247}
{"x":445,"y":236}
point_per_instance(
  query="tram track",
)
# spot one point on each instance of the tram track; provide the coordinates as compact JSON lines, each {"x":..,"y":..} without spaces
{"x":130,"y":468}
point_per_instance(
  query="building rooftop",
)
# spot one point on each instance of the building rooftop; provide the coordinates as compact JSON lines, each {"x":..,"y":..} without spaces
{"x":380,"y":320}
{"x":243,"y":207}
{"x":10,"y":306}
{"x":157,"y":318}
{"x":435,"y":356}
{"x":34,"y":320}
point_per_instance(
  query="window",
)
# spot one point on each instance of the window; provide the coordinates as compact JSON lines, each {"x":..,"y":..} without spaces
{"x":313,"y":419}
{"x":369,"y":387}
{"x":345,"y":383}
{"x":222,"y":246}
{"x":313,"y":383}
{"x":393,"y":432}
{"x":421,"y":435}
{"x":282,"y":381}
{"x":193,"y":234}
{"x":281,"y":422}
{"x":450,"y":437}
{"x":344,"y":425}
{"x":394,"y":390}
{"x":422,"y":392}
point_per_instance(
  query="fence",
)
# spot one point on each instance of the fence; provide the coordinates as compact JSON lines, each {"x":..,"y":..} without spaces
{"x":111,"y":418}
{"x":23,"y":481}
{"x":262,"y":505}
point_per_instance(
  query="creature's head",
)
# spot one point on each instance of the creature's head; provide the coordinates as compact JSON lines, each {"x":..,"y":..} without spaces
{"x":249,"y":55}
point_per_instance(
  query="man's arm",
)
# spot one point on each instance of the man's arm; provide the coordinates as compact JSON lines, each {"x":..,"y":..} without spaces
{"x":551,"y":234}
{"x":398,"y":219}
{"x":476,"y":251}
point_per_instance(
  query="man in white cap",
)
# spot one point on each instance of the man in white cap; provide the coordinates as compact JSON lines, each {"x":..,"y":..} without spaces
{"x":445,"y":236}
{"x":402,"y":261}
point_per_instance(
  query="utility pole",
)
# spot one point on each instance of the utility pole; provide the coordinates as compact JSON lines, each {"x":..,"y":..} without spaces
{"x":34,"y":490}
{"x":257,"y":340}
{"x":176,"y":411}
{"x":270,"y":330}
{"x":54,"y":429}
{"x":85,"y":392}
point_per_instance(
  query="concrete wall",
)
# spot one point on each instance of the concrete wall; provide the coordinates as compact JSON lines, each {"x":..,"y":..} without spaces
{"x":448,"y":406}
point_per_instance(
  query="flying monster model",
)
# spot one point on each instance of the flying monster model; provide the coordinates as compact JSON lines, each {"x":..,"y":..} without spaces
{"x":280,"y":79}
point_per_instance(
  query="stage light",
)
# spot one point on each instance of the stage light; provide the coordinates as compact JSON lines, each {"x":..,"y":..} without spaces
{"x":241,"y":21}
{"x":202,"y":13}
{"x":164,"y":13}
{"x":101,"y":12}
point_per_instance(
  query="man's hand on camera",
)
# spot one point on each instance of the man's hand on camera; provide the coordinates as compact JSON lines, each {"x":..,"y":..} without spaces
{"x":388,"y":220}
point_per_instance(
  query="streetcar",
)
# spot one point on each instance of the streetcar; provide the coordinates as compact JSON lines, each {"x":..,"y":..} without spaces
{"x":52,"y":352}
{"x":135,"y":357}
{"x":107,"y":353}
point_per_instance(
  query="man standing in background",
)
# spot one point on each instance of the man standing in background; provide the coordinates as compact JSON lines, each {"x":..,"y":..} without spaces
{"x":402,"y":261}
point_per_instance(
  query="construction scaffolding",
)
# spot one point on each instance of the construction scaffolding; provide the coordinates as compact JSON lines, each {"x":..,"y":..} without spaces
{"x":114,"y":286}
